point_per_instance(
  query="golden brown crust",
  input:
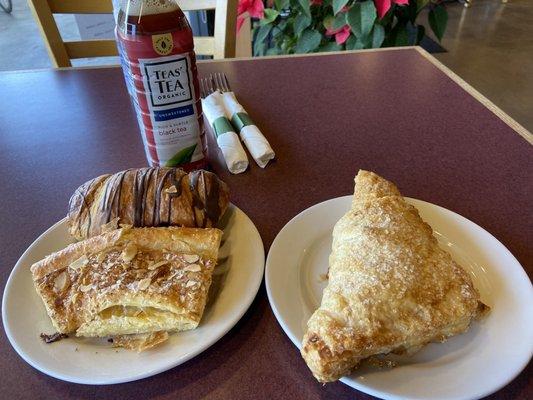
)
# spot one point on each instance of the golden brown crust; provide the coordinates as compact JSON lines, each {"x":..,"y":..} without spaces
{"x":140,"y":341}
{"x":145,"y":197}
{"x":391,"y":287}
{"x":130,"y":280}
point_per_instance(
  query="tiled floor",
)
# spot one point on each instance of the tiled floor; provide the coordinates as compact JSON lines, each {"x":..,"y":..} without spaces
{"x":490,"y":45}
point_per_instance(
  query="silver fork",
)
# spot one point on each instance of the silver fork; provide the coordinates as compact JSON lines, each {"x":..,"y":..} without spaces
{"x":206,"y":87}
{"x":221,"y":81}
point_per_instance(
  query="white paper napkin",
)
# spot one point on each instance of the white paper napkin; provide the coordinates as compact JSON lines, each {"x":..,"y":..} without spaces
{"x":256,"y":142}
{"x":227,"y":139}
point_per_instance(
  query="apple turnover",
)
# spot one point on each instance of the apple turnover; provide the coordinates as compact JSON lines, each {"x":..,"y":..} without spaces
{"x":391,"y":287}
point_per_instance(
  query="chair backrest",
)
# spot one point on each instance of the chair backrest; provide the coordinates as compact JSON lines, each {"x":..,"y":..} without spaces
{"x":221,"y":45}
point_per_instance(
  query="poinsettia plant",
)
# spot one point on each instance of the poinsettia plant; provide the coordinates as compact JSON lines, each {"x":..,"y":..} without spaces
{"x":305,"y":26}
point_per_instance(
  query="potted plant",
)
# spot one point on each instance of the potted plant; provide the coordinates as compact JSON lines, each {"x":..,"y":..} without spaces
{"x":306,"y":26}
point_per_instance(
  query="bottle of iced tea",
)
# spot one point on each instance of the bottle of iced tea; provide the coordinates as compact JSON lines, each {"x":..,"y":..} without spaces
{"x":157,"y":53}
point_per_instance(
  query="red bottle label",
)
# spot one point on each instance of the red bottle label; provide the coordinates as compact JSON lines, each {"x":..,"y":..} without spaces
{"x":162,"y":82}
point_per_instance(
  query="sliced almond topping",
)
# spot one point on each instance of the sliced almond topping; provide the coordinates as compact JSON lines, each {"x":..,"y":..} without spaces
{"x":86,"y":288}
{"x":157,"y":265}
{"x":129,"y":252}
{"x":193,"y":268}
{"x":144,"y":283}
{"x":60,"y":283}
{"x":171,"y":189}
{"x":190,"y":283}
{"x":74,"y":297}
{"x":191,"y":258}
{"x":78,"y":264}
{"x":169,"y":278}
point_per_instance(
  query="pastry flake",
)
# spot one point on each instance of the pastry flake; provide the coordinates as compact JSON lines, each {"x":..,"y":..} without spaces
{"x":140,"y":341}
{"x":391,"y":287}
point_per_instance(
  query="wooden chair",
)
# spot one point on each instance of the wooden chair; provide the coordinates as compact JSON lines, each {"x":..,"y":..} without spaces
{"x":221,"y":45}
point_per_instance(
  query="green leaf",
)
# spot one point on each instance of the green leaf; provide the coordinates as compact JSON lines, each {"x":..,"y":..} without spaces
{"x":273,"y":51}
{"x":333,"y":23}
{"x":300,"y":23}
{"x":286,"y":45}
{"x":328,"y":21}
{"x":308,"y":42}
{"x":270,"y":16}
{"x":282,"y":4}
{"x":410,"y":11}
{"x":420,"y":33}
{"x":259,"y":43}
{"x":276,"y":31}
{"x":262,"y":33}
{"x":283,"y":24}
{"x":181,"y":157}
{"x":354,"y":43}
{"x":378,"y":35}
{"x":361,"y":18}
{"x":420,"y":4}
{"x":402,"y":36}
{"x":339,"y":21}
{"x":330,"y":46}
{"x":387,"y":18}
{"x":438,"y":18}
{"x":337,"y":5}
{"x":304,"y":4}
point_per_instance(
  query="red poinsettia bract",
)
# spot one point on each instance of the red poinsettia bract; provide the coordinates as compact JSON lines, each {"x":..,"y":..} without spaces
{"x":382,"y":6}
{"x":255,"y":8}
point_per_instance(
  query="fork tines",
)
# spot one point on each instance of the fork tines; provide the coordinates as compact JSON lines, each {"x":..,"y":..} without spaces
{"x":221,"y":81}
{"x":206,"y":87}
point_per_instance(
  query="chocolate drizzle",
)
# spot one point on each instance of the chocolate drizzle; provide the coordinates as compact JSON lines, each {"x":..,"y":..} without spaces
{"x":54,"y":337}
{"x":177,"y":184}
{"x":111,"y":198}
{"x":145,"y":192}
{"x":157,"y":203}
{"x":209,"y":206}
{"x":81,"y":193}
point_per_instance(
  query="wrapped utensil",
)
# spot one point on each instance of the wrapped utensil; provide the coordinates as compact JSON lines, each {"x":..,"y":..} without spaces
{"x":228,"y":141}
{"x":250,"y":134}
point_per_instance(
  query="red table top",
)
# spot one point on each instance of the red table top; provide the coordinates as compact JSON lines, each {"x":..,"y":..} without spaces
{"x":393,"y":112}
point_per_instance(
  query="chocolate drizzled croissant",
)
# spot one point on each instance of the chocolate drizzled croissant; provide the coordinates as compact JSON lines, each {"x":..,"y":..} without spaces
{"x":147,"y":197}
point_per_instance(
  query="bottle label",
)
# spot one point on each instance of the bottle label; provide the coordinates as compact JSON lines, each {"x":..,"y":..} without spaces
{"x":170,"y":97}
{"x":163,"y":44}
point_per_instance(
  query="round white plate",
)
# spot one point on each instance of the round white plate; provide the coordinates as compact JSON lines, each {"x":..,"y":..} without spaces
{"x":468,"y":366}
{"x":235,"y":283}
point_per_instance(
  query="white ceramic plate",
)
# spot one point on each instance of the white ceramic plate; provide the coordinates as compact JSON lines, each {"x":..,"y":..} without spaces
{"x":468,"y":366}
{"x":235,"y":284}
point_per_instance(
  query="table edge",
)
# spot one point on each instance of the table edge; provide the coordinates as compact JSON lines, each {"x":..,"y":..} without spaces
{"x":512,"y":123}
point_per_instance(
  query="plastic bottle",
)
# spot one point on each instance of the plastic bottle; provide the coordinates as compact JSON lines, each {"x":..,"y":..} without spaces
{"x":156,"y":47}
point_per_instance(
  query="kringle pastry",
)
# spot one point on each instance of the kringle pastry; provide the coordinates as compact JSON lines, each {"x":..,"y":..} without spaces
{"x":391,"y":287}
{"x":129,"y":281}
{"x":147,"y":197}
